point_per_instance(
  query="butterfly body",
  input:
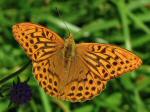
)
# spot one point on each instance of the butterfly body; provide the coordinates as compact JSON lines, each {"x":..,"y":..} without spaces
{"x":69,"y":71}
{"x":68,"y":52}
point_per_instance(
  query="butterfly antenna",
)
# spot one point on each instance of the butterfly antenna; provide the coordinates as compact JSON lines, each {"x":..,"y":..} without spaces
{"x":63,"y":21}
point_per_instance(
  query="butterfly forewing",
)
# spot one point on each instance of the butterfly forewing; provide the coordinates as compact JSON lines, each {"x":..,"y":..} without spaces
{"x":38,"y":42}
{"x":107,"y":61}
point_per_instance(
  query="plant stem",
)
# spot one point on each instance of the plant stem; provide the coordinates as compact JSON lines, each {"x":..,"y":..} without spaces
{"x":5,"y":79}
{"x":62,"y":105}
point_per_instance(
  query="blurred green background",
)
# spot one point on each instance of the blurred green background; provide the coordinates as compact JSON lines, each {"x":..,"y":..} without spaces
{"x":125,"y":23}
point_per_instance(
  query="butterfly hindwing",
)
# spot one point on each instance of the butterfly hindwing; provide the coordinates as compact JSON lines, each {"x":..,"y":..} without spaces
{"x":107,"y":61}
{"x":38,"y":42}
{"x":87,"y":89}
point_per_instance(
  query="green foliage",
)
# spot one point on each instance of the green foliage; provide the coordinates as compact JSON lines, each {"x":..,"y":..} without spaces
{"x":124,"y":23}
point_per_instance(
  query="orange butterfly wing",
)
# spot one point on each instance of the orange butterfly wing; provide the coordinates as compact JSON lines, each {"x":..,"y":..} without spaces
{"x":107,"y":61}
{"x":99,"y":63}
{"x":38,"y":42}
{"x":43,"y":47}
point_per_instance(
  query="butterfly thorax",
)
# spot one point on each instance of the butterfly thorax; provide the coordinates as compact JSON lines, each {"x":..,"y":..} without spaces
{"x":69,"y":52}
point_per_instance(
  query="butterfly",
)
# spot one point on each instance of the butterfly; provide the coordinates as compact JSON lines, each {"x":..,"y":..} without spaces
{"x":69,"y":71}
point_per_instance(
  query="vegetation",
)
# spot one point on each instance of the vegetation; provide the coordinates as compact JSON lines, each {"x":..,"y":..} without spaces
{"x":125,"y":23}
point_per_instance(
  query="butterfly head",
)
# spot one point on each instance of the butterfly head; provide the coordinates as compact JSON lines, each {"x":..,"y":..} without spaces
{"x":69,"y":41}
